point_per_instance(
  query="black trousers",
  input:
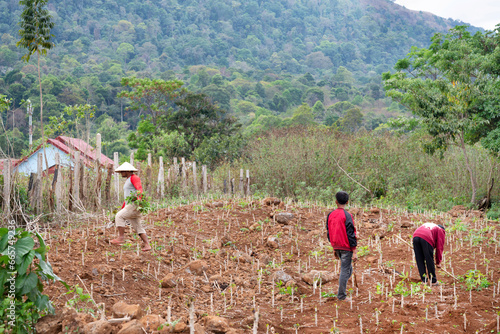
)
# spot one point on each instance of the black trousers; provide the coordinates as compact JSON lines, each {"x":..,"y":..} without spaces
{"x":424,"y":255}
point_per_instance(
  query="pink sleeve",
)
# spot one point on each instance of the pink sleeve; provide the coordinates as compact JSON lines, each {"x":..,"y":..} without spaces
{"x":439,"y":245}
{"x":136,"y":182}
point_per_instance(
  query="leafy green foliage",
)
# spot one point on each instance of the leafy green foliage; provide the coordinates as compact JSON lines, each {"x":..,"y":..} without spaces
{"x":140,"y":200}
{"x":80,"y":300}
{"x":24,"y":267}
{"x":453,"y":87}
{"x":36,"y":24}
{"x":475,"y":280}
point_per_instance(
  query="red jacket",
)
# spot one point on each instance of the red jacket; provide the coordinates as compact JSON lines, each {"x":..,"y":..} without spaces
{"x":341,"y":230}
{"x":434,"y":235}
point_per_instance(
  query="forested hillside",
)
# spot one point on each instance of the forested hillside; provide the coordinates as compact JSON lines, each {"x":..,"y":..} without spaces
{"x":263,"y":61}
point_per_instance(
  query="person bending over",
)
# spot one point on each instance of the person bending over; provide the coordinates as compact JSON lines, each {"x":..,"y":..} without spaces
{"x":426,"y":238}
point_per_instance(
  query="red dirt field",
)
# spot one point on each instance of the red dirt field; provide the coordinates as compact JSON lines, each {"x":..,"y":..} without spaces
{"x":244,"y":248}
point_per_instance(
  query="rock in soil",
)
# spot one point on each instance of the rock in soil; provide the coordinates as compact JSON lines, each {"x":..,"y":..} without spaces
{"x":151,"y":322}
{"x":169,"y":281}
{"x":199,"y":329}
{"x":216,"y":325}
{"x":197,"y":267}
{"x":97,"y":327}
{"x":242,"y":256}
{"x":283,"y":217}
{"x":272,"y":242}
{"x":179,"y":327}
{"x":50,"y":324}
{"x":132,"y":327}
{"x":122,"y":309}
{"x":319,"y":275}
{"x":281,"y":276}
{"x":271,"y":201}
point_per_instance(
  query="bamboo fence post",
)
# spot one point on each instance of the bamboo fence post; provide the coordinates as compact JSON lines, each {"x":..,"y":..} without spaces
{"x":204,"y":177}
{"x":195,"y":179}
{"x":132,"y":158}
{"x":247,"y":182}
{"x":39,"y":184}
{"x":6,"y":186}
{"x":76,"y":180}
{"x":98,"y":169}
{"x":58,"y":182}
{"x":161,"y":179}
{"x":241,"y":183}
{"x":183,"y":162}
{"x":148,"y":174}
{"x":107,"y":187}
{"x":176,"y":170}
{"x":117,"y":179}
{"x":83,"y":181}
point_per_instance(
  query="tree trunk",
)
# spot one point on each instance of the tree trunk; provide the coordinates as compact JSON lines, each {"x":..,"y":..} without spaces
{"x":469,"y":168}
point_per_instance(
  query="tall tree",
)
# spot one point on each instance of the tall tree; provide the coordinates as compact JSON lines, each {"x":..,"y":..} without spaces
{"x":36,"y":24}
{"x":453,"y":87}
{"x":198,"y":118}
{"x":154,"y":98}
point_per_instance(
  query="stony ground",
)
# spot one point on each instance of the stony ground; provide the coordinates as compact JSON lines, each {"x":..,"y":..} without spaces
{"x":220,"y":265}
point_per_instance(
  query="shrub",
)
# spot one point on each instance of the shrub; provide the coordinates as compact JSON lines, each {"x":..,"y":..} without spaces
{"x":22,"y":270}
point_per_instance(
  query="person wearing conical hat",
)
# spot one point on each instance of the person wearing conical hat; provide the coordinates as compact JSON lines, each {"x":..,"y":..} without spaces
{"x":129,"y":212}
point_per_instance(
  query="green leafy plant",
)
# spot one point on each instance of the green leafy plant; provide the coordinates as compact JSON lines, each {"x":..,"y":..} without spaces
{"x":141,"y":201}
{"x":80,"y":301}
{"x":475,"y":280}
{"x":363,"y":250}
{"x":330,"y":294}
{"x":22,"y":270}
{"x":287,"y":290}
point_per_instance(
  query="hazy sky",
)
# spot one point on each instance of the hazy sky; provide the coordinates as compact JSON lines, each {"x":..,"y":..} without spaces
{"x":479,"y":13}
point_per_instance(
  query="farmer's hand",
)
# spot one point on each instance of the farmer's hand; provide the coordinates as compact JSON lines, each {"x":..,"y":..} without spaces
{"x":354,"y":257}
{"x":438,"y":265}
{"x":336,"y":255}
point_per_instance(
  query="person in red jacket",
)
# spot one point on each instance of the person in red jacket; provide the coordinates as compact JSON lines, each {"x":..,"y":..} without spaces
{"x":426,"y":238}
{"x":129,"y":212}
{"x":342,"y":237}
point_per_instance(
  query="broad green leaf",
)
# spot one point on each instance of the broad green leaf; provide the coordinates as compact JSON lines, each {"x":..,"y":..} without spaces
{"x":43,"y":248}
{"x":42,"y":302}
{"x":23,"y":246}
{"x":3,"y":278}
{"x":28,"y":284}
{"x":4,"y":234}
{"x":27,"y":260}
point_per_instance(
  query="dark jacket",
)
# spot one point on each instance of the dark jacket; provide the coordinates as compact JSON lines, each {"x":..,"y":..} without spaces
{"x":434,"y":235}
{"x":341,"y":230}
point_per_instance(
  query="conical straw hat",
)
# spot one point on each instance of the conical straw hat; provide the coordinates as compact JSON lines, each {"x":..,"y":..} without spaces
{"x":126,"y":167}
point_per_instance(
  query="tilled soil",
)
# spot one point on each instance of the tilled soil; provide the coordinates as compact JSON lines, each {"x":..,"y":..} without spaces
{"x":245,"y":255}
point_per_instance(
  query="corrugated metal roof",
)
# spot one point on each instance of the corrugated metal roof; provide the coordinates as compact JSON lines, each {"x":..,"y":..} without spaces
{"x":88,"y":151}
{"x":68,"y":145}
